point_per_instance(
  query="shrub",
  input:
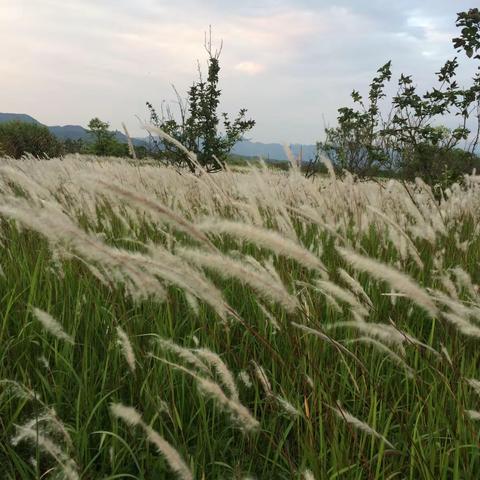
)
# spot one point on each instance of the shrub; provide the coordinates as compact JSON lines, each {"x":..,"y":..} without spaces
{"x":409,"y":140}
{"x":74,"y":145}
{"x":198,"y":127}
{"x":20,"y":138}
{"x":440,"y":166}
{"x":104,"y":141}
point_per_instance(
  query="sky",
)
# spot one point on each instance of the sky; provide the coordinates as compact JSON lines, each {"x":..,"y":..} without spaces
{"x":291,"y":63}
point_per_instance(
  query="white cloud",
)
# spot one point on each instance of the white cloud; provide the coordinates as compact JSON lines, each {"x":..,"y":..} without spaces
{"x":250,"y":68}
{"x":287,"y":61}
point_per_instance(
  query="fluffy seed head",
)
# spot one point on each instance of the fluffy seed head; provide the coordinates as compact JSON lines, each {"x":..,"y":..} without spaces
{"x":52,"y":325}
{"x":127,"y":348}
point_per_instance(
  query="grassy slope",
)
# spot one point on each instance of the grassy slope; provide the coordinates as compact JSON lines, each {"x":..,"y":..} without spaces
{"x":423,"y":417}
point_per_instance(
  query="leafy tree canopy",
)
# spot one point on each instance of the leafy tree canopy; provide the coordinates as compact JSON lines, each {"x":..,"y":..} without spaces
{"x":200,"y":129}
{"x":21,"y":138}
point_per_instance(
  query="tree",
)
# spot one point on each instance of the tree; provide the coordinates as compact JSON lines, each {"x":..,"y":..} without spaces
{"x":354,"y":145}
{"x":74,"y":145}
{"x":20,"y":138}
{"x":407,"y":139}
{"x":198,"y":129}
{"x":104,"y":141}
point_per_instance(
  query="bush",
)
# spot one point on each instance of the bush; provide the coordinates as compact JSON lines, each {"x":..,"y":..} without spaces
{"x":20,"y":138}
{"x":410,"y":140}
{"x":74,"y":145}
{"x":198,"y":129}
{"x":104,"y":141}
{"x":440,"y":167}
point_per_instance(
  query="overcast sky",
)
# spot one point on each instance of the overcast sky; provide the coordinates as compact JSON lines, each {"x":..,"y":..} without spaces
{"x":292,"y":63}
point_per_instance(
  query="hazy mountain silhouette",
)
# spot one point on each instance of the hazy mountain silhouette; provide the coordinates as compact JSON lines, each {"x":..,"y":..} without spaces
{"x":246,"y":148}
{"x":272,"y":151}
{"x":64,"y":132}
{"x":17,"y":117}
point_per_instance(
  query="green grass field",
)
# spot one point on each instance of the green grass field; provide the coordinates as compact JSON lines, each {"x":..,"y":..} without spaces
{"x":261,"y":325}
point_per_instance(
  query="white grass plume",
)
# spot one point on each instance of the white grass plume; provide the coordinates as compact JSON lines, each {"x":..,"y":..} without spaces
{"x":262,"y":376}
{"x":133,"y":418}
{"x":244,"y":377}
{"x":192,"y":303}
{"x":59,"y":229}
{"x":453,"y":304}
{"x":462,"y":325}
{"x":328,"y":164}
{"x":400,"y":281}
{"x":19,"y":389}
{"x":202,"y":358}
{"x":221,"y":368}
{"x":332,"y":303}
{"x":36,"y":436}
{"x":239,"y":411}
{"x":48,"y":416}
{"x":355,"y":286}
{"x":128,"y":414}
{"x":386,"y":333}
{"x":267,"y":387}
{"x":475,"y":384}
{"x":389,"y":221}
{"x":140,"y":273}
{"x":465,"y":280}
{"x":261,"y":281}
{"x":127,"y":348}
{"x":48,"y":421}
{"x":384,"y":349}
{"x":271,"y":319}
{"x":131,"y":149}
{"x":208,"y":387}
{"x":342,"y":295}
{"x":309,"y":380}
{"x":308,"y":475}
{"x":152,"y":205}
{"x":293,"y":160}
{"x":359,"y":425}
{"x":165,"y":136}
{"x":186,"y":354}
{"x":51,"y":325}
{"x":326,"y":338}
{"x":446,"y":355}
{"x":473,"y":414}
{"x":268,"y":239}
{"x":449,"y":286}
{"x":287,"y":406}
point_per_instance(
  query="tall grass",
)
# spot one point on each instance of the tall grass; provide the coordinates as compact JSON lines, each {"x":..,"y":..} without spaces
{"x":254,"y":324}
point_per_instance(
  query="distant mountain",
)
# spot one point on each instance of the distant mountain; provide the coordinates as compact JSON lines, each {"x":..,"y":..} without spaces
{"x":245,"y":148}
{"x":272,"y":151}
{"x":72,"y":132}
{"x":17,"y":117}
{"x":76,"y":132}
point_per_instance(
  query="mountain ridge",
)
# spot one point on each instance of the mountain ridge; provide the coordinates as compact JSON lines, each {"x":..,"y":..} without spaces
{"x":246,"y":148}
{"x":66,"y":132}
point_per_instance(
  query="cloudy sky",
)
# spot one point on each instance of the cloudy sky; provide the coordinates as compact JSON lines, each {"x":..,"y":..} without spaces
{"x":292,"y":63}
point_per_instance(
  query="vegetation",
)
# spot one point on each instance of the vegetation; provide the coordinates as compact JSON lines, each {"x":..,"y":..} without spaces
{"x":406,"y":141}
{"x":19,"y":138}
{"x":251,"y":324}
{"x":264,"y":325}
{"x":198,"y":129}
{"x":104,"y":141}
{"x":74,"y":146}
